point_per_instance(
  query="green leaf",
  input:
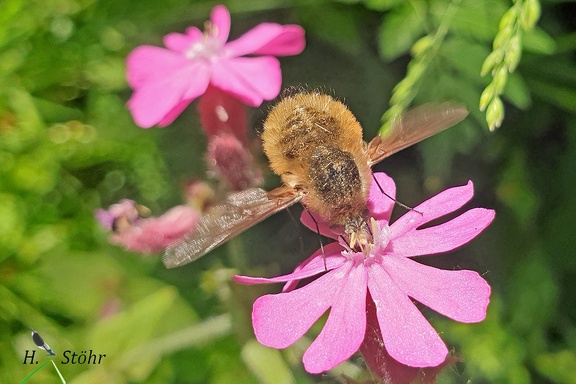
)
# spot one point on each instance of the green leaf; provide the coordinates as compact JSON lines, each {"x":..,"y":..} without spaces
{"x":55,"y":113}
{"x":559,"y":367}
{"x":12,"y":225}
{"x":266,"y":363}
{"x":117,"y":335}
{"x":517,"y":91}
{"x":338,"y":25}
{"x":489,"y":349}
{"x":476,"y":19}
{"x":559,"y":95}
{"x":538,"y":41}
{"x":515,"y":191}
{"x":533,"y":297}
{"x":466,"y":56}
{"x":400,"y":29}
{"x":382,"y":5}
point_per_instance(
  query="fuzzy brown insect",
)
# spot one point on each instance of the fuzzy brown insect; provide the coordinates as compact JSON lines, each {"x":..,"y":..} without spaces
{"x":314,"y":143}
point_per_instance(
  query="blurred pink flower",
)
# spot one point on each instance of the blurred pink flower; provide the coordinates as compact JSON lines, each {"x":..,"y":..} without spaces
{"x":165,"y":81}
{"x":146,"y":235}
{"x":125,"y":212}
{"x":232,"y":162}
{"x":384,"y":273}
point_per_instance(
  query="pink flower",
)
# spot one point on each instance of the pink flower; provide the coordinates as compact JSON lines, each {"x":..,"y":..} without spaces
{"x":165,"y":81}
{"x":146,"y":235}
{"x":385,"y":273}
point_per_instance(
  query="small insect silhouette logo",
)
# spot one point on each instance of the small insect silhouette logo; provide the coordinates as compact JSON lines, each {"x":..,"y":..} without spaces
{"x":40,"y":343}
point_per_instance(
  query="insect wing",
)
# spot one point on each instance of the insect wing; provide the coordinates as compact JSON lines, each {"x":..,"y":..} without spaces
{"x":220,"y":223}
{"x":414,"y":126}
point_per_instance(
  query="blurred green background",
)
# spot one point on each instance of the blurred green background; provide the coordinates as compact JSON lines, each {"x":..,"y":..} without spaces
{"x":68,"y":146}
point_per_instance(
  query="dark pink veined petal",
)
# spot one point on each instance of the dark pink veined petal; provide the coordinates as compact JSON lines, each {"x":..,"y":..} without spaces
{"x":310,"y":220}
{"x":346,"y":325}
{"x":146,"y":63}
{"x":408,"y":336}
{"x":153,"y":101}
{"x":220,"y":19}
{"x":437,"y":206}
{"x":252,"y":79}
{"x":219,"y":112}
{"x":460,"y":295}
{"x":443,"y":237}
{"x":313,"y":266}
{"x":179,"y":42}
{"x":380,"y":205}
{"x":380,"y":362}
{"x":281,"y":319}
{"x":269,"y":39}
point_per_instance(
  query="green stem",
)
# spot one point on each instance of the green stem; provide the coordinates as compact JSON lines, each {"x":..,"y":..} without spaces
{"x":36,"y":370}
{"x":59,"y":374}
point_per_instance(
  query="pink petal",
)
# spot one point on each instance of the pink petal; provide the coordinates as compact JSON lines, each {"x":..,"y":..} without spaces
{"x":310,"y":220}
{"x":220,"y":19}
{"x":126,"y":209}
{"x":443,"y":237}
{"x":152,"y":235}
{"x":408,"y":336}
{"x":251,"y":79}
{"x":443,"y":203}
{"x":164,"y":230}
{"x":380,"y":205}
{"x":311,"y":267}
{"x":281,"y":319}
{"x":194,"y":33}
{"x":174,"y":113}
{"x":179,"y":42}
{"x":319,"y":262}
{"x":346,"y":325}
{"x":146,"y":63}
{"x":460,"y":295}
{"x":269,"y":39}
{"x":156,"y":99}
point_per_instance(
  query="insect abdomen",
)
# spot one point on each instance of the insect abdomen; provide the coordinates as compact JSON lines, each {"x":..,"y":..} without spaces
{"x":336,"y":185}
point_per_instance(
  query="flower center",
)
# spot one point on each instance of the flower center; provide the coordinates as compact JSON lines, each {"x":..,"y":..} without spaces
{"x":209,"y":47}
{"x":381,"y":237}
{"x":369,"y":240}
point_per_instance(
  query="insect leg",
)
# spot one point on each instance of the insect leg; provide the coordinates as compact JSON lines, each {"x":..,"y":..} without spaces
{"x":393,"y":199}
{"x":320,"y":237}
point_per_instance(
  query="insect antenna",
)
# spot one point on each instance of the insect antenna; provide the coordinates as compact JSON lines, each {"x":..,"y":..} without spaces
{"x":320,"y":238}
{"x":393,"y":199}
